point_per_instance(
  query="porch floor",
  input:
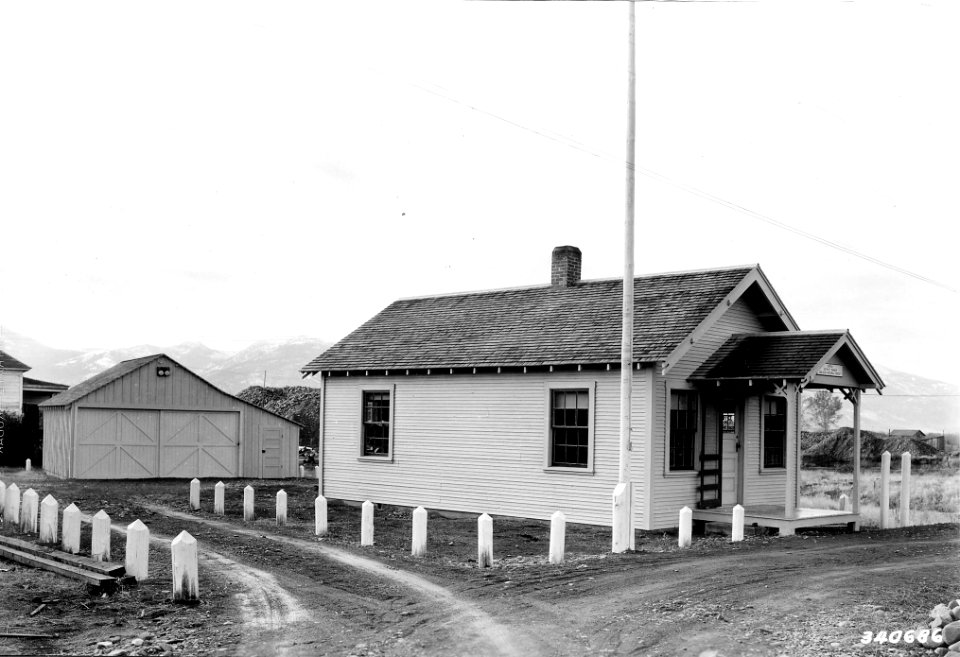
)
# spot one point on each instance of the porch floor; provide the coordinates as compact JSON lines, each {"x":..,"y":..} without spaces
{"x":771,"y":515}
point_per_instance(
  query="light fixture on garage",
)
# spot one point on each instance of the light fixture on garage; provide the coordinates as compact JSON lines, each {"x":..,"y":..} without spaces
{"x":163,"y":371}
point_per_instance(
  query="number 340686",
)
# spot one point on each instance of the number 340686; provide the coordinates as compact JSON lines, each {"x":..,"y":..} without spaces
{"x":896,"y":636}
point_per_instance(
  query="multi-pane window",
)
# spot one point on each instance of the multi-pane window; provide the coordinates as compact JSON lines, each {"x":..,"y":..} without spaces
{"x":376,"y":424}
{"x":774,"y":432}
{"x":683,"y":429}
{"x":569,"y":428}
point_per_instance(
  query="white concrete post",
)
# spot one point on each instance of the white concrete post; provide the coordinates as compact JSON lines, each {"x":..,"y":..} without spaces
{"x":194,"y":494}
{"x":281,"y":508}
{"x":737,"y":529}
{"x":11,"y":506}
{"x":484,"y":541}
{"x":28,"y":466}
{"x":844,"y":502}
{"x":366,"y":524}
{"x":49,"y":519}
{"x":622,"y":527}
{"x":905,"y":489}
{"x":303,"y":471}
{"x":100,"y":541}
{"x":320,"y":516}
{"x":186,"y":581}
{"x":419,"y":545}
{"x":885,"y":490}
{"x":138,"y":550}
{"x":686,"y":527}
{"x":28,"y":513}
{"x":218,"y":499}
{"x":558,"y":536}
{"x":248,"y":503}
{"x":3,"y":496}
{"x":71,"y":529}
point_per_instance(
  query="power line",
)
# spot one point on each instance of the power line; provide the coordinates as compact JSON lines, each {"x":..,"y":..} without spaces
{"x":439,"y":91}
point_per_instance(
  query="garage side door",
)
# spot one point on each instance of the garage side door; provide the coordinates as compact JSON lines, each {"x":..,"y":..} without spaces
{"x":199,"y":444}
{"x":115,"y":444}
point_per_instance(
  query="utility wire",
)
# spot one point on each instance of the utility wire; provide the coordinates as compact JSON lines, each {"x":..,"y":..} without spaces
{"x":440,"y":92}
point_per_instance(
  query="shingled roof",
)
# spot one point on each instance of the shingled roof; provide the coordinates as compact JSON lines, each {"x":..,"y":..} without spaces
{"x":778,"y":355}
{"x":8,"y":362}
{"x":548,"y":325}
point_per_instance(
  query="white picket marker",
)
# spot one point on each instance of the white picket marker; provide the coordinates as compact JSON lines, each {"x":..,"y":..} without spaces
{"x":248,"y":503}
{"x":558,"y":536}
{"x":418,"y":546}
{"x":49,"y":519}
{"x":885,"y":490}
{"x":366,"y":524}
{"x":28,"y":465}
{"x":138,"y":550}
{"x":195,"y":494}
{"x":29,"y":510}
{"x":100,"y":540}
{"x":281,"y":508}
{"x":484,"y":541}
{"x":686,"y":527}
{"x":186,"y":580}
{"x":218,"y":499}
{"x":11,"y":506}
{"x":71,"y":529}
{"x":320,"y":516}
{"x":844,"y":502}
{"x":3,"y":496}
{"x":737,"y":530}
{"x":905,"y":489}
{"x":303,"y":471}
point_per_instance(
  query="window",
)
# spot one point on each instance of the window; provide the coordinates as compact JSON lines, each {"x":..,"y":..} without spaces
{"x":376,"y":423}
{"x":570,"y":428}
{"x":774,"y":432}
{"x":683,"y":429}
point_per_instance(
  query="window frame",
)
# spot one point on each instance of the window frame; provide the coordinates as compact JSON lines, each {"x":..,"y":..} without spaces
{"x":763,"y":434}
{"x":697,"y":434}
{"x":391,"y":428}
{"x":569,"y":386}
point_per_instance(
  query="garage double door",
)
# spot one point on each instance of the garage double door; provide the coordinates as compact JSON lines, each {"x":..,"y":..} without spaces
{"x":143,"y":444}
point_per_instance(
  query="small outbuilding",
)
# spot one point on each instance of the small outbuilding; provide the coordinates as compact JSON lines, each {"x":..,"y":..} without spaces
{"x":151,"y":417}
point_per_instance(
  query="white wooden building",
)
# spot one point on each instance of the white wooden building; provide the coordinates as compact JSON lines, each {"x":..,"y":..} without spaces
{"x":151,"y":417}
{"x":507,"y":402}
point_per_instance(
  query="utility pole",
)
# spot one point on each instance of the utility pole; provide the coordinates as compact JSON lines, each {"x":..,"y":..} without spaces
{"x":623,"y":533}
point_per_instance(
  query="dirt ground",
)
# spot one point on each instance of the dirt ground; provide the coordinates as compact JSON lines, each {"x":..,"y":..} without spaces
{"x":267,"y":590}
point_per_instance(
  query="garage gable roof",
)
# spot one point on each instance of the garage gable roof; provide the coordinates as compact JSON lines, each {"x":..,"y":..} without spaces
{"x":536,"y":326}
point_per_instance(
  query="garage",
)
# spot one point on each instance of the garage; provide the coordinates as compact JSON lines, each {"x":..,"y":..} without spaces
{"x":151,"y":417}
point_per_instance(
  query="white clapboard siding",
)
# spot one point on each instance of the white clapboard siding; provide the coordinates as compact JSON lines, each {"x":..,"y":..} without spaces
{"x":476,"y":443}
{"x":759,"y":486}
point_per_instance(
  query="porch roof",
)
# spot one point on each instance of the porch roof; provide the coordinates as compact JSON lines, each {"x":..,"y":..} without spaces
{"x":792,"y":356}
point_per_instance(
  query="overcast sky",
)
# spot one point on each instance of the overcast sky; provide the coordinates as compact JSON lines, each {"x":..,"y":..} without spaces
{"x":228,"y":172}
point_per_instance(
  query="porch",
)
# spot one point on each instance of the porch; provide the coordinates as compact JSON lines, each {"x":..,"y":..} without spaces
{"x":771,"y":515}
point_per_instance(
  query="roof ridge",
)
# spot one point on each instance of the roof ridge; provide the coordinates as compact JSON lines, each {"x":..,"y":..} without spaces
{"x":589,"y":281}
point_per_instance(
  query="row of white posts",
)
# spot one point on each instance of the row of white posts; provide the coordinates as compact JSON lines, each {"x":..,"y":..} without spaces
{"x":686,"y":526}
{"x":23,"y":511}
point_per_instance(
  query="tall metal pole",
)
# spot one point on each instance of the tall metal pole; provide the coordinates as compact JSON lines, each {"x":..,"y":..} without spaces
{"x":623,"y":534}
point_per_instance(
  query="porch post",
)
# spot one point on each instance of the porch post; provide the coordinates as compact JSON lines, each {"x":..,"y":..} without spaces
{"x":791,"y":439}
{"x":856,"y":456}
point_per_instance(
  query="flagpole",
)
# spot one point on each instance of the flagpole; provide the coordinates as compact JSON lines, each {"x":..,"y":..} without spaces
{"x":623,"y":533}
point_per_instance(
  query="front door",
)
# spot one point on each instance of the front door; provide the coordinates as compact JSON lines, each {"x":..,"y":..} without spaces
{"x":271,"y":456}
{"x":730,"y":446}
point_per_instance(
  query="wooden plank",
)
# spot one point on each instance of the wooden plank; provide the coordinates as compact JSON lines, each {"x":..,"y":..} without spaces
{"x":89,"y":577}
{"x":106,"y":568}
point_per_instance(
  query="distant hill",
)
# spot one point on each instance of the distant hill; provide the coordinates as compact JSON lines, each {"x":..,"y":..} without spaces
{"x":828,"y":448}
{"x":298,"y":403}
{"x":281,"y":361}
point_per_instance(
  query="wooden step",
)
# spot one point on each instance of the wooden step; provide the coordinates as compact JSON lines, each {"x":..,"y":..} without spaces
{"x":87,"y":576}
{"x":103,"y":567}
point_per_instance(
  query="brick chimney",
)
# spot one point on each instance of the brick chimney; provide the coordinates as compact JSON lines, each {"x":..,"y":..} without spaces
{"x":565,"y":268}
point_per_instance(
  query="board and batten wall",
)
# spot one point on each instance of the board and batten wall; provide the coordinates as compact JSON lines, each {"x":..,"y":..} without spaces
{"x":478,"y":443}
{"x":142,"y":389}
